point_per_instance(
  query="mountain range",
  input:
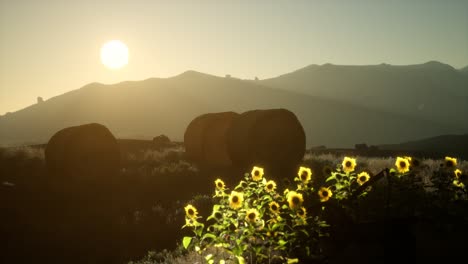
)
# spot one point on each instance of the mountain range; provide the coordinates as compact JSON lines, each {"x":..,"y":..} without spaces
{"x":338,"y":105}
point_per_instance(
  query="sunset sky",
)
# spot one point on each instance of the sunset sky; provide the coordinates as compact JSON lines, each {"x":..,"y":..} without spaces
{"x":50,"y":47}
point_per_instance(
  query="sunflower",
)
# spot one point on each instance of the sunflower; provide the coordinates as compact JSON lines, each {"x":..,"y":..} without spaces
{"x":348,"y":164}
{"x":294,"y":199}
{"x":257,"y":173}
{"x":220,"y":184}
{"x":327,"y":170}
{"x":458,"y":173}
{"x":251,"y":215}
{"x":218,"y":215}
{"x":402,"y":164}
{"x":325,"y":194}
{"x":450,"y":162}
{"x":363,"y":177}
{"x":270,"y":186}
{"x":304,"y":174}
{"x":274,"y":207}
{"x":302,"y":212}
{"x":236,"y":199}
{"x":191,"y":211}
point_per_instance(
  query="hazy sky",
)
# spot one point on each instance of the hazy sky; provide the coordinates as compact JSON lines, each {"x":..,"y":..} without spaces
{"x":51,"y":47}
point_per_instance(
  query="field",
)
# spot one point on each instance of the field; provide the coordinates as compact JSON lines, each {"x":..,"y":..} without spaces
{"x":419,"y":215}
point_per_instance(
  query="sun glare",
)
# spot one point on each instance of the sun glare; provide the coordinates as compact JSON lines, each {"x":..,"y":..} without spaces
{"x":114,"y":54}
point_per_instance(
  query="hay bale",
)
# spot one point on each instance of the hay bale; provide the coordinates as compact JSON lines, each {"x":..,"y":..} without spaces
{"x":82,"y":153}
{"x":85,"y":189}
{"x":272,"y":138}
{"x":162,"y":141}
{"x":205,"y":139}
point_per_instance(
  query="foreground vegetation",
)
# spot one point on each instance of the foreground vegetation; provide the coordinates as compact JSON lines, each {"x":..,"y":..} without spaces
{"x":334,"y":208}
{"x":255,"y":223}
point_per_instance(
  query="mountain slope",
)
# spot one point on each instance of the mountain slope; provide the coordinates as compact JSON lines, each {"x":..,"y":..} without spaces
{"x":144,"y":109}
{"x":431,"y":91}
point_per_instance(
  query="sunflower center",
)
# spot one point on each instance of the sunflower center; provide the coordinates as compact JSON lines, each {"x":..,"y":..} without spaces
{"x":449,"y":163}
{"x":220,"y":185}
{"x":235,"y":199}
{"x":295,"y":200}
{"x":256,"y":173}
{"x":304,"y":176}
{"x":251,"y":216}
{"x":325,"y":193}
{"x":274,"y":207}
{"x":362,"y":178}
{"x":348,"y":164}
{"x":402,"y":164}
{"x":191,"y":212}
{"x":270,"y":186}
{"x":301,"y":212}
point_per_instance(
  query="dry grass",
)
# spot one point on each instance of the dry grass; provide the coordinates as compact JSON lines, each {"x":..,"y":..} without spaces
{"x":179,"y":257}
{"x":25,"y":152}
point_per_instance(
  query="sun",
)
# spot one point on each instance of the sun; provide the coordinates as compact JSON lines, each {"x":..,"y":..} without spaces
{"x":114,"y":54}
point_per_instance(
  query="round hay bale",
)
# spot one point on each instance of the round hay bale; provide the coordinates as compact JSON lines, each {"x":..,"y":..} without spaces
{"x":86,"y":190}
{"x":86,"y":151}
{"x":272,"y":138}
{"x":205,"y":139}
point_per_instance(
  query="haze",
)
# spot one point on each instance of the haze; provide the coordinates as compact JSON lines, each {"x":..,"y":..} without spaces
{"x":51,"y":47}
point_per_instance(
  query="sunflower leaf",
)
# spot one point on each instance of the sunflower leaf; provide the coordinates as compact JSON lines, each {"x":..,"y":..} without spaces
{"x":330,"y":178}
{"x":208,"y":235}
{"x":276,"y":226}
{"x":240,"y":259}
{"x":186,"y":241}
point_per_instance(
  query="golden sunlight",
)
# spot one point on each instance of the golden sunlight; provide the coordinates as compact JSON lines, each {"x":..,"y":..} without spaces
{"x":114,"y":54}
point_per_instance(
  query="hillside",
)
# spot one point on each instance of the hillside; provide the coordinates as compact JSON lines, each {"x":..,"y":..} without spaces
{"x":430,"y":91}
{"x":144,"y":109}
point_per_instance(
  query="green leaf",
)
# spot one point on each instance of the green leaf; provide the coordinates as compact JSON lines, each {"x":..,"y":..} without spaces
{"x":186,"y":241}
{"x":282,"y":242}
{"x":291,"y":261}
{"x":240,"y":259}
{"x":330,"y":178}
{"x":209,"y":235}
{"x":276,"y":226}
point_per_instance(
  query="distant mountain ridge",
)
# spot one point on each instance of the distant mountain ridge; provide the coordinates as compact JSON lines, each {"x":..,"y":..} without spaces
{"x":431,"y":91}
{"x":147,"y":108}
